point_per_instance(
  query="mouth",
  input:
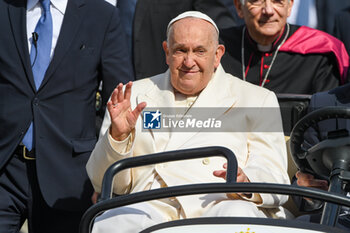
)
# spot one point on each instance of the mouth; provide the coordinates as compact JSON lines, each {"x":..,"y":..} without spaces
{"x":262,"y":22}
{"x":189,"y":71}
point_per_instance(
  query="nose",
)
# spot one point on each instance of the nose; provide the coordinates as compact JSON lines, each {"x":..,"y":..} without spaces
{"x":268,"y":7}
{"x":189,"y":60}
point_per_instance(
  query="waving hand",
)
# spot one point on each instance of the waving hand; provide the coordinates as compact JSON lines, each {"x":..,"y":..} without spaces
{"x":123,"y":118}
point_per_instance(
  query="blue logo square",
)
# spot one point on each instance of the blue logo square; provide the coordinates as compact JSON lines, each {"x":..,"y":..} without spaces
{"x":152,"y":119}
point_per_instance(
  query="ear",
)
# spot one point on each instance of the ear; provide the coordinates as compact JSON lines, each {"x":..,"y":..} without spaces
{"x":239,"y":8}
{"x":166,"y":51}
{"x":290,"y":6}
{"x":218,"y":55}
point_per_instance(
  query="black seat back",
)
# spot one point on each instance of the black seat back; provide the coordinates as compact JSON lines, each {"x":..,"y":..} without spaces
{"x":293,"y":108}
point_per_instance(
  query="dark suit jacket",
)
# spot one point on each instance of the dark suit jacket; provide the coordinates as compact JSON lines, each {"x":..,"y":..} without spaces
{"x":341,"y":28}
{"x":326,"y":12}
{"x":90,"y":47}
{"x":339,"y":96}
{"x":151,"y":20}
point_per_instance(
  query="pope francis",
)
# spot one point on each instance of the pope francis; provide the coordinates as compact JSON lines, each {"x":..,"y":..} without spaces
{"x":195,"y":79}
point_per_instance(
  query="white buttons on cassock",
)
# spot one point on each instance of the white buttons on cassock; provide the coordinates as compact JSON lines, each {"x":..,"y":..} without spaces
{"x":206,"y":161}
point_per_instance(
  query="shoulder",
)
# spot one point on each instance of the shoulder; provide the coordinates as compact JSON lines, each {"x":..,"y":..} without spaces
{"x":321,"y":99}
{"x":342,"y":93}
{"x":300,"y":33}
{"x":101,"y":8}
{"x":143,"y":86}
{"x":332,"y":97}
{"x":249,"y":94}
{"x":100,"y":16}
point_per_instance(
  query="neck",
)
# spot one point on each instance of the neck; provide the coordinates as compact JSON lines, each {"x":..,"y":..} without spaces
{"x":186,"y":95}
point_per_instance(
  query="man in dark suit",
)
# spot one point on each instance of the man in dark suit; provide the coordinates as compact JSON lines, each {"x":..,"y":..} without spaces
{"x":150,"y":23}
{"x":339,"y":96}
{"x":44,"y":179}
{"x":326,"y":12}
{"x":319,"y":14}
{"x":341,"y":28}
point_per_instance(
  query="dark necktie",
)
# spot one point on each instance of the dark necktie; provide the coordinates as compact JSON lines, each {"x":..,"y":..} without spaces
{"x":40,"y":56}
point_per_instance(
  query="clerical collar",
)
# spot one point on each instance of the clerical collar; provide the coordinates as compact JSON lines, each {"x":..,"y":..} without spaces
{"x":273,"y":58}
{"x":264,"y":48}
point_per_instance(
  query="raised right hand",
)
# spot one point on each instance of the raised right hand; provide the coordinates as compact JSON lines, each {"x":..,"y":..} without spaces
{"x":123,"y":118}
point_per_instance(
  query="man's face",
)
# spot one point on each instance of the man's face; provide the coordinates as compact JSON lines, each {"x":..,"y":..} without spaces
{"x":265,"y":19}
{"x":192,"y":54}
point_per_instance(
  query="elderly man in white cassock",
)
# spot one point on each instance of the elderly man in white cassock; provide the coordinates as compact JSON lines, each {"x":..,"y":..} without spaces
{"x":195,"y":79}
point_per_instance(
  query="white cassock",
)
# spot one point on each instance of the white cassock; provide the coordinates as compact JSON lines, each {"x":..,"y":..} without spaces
{"x":255,"y":137}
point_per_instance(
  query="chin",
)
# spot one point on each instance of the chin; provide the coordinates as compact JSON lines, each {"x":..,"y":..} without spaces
{"x":270,"y":32}
{"x":186,"y":91}
{"x":187,"y":88}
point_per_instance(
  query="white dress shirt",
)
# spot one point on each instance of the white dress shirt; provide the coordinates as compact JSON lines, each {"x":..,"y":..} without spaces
{"x":113,"y":2}
{"x":34,"y":10}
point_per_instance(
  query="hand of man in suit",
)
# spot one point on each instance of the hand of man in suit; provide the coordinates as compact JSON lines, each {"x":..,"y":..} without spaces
{"x":308,"y":180}
{"x":123,"y":118}
{"x":94,"y":197}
